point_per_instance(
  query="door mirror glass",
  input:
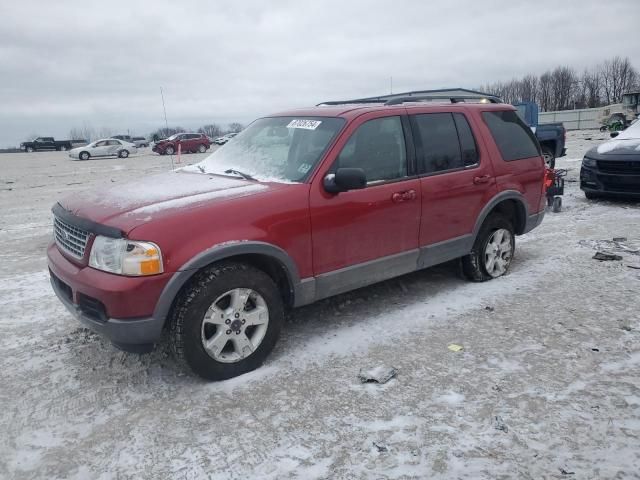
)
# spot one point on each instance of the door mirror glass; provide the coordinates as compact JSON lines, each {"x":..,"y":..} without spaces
{"x":345,"y":179}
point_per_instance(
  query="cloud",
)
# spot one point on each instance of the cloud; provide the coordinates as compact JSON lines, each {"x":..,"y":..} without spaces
{"x":63,"y":64}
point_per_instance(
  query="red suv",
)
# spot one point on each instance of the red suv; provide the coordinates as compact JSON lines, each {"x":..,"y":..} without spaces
{"x":301,"y":206}
{"x":188,"y":143}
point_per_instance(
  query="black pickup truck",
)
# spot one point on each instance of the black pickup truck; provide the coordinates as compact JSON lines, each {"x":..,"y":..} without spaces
{"x":46,"y":143}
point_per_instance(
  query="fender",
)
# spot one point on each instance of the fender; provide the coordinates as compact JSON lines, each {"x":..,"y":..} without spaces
{"x":500,"y":197}
{"x":227,"y":250}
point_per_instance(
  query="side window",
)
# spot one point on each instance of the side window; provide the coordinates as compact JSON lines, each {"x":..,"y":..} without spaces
{"x":378,"y":147}
{"x":467,"y":142}
{"x":438,"y":137}
{"x":514,"y":139}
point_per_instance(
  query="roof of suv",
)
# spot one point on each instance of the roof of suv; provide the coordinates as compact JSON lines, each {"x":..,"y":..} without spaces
{"x":352,"y":110}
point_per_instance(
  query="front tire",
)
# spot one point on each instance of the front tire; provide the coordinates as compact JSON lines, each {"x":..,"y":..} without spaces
{"x":169,"y":150}
{"x":492,"y":251}
{"x":62,"y":148}
{"x":123,"y":153}
{"x":591,"y":196}
{"x":84,"y":155}
{"x":227,"y":321}
{"x":29,"y":149}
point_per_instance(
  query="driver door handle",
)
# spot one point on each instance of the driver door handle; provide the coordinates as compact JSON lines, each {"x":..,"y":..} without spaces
{"x":399,"y":197}
{"x":482,"y":179}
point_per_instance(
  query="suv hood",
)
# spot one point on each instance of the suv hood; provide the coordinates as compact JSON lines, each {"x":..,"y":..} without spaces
{"x":625,"y":146}
{"x":125,"y":206}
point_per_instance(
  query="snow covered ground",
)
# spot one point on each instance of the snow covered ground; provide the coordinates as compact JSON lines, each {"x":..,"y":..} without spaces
{"x":547,"y":384}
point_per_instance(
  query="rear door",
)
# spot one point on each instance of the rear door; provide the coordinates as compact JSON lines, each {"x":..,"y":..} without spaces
{"x":363,"y":236}
{"x":113,"y":147}
{"x":457,"y":180}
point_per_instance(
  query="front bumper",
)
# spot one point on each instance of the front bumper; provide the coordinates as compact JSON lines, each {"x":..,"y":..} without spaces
{"x":121,"y":309}
{"x":593,"y":180}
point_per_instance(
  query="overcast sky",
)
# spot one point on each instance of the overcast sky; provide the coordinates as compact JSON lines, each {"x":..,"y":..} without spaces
{"x":69,"y":63}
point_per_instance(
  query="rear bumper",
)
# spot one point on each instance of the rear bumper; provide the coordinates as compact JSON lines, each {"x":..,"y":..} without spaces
{"x":122,"y":309}
{"x":533,"y":221}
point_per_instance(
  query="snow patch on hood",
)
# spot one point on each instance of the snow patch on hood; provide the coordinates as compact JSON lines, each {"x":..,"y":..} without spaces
{"x":611,"y":145}
{"x":199,"y":198}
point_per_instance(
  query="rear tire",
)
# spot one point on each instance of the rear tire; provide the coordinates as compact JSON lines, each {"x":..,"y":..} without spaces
{"x":197,"y":309}
{"x":498,"y":231}
{"x":62,"y":148}
{"x":123,"y":153}
{"x":202,"y":148}
{"x":557,"y":205}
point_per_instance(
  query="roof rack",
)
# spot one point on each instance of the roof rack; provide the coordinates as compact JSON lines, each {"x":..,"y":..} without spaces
{"x":453,"y":95}
{"x":452,"y":99}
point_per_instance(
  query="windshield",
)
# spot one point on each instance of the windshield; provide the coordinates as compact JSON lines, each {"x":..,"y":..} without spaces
{"x":277,"y":149}
{"x":173,"y":137}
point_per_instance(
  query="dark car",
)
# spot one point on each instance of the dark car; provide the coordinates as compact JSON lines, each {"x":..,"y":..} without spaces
{"x":46,"y":143}
{"x":613,"y":168}
{"x":300,"y":206}
{"x":188,"y":142}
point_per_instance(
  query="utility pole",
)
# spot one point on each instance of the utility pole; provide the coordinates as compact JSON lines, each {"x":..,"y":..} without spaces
{"x":391,"y":84}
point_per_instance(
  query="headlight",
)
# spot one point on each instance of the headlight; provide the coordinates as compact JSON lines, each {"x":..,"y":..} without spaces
{"x":125,"y":257}
{"x":588,"y":162}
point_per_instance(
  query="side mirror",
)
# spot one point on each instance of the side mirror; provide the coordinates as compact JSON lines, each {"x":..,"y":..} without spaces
{"x":345,"y":179}
{"x":614,"y":134}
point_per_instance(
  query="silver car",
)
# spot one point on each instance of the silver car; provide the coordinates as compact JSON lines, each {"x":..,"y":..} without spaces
{"x":108,"y":147}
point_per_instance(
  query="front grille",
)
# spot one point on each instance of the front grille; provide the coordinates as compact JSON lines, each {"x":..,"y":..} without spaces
{"x":620,"y":166}
{"x":72,"y":240}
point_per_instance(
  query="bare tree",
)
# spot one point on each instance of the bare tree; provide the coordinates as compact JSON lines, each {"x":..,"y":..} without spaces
{"x":528,"y":91}
{"x":563,"y":85}
{"x":211,"y":130}
{"x":617,"y":76}
{"x":545,"y":95}
{"x":235,"y":127}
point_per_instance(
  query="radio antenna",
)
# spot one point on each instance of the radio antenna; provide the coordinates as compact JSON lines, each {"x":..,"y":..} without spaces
{"x":166,"y":124}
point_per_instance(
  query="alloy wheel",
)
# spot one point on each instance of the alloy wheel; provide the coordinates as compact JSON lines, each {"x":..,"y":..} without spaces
{"x":235,"y":325}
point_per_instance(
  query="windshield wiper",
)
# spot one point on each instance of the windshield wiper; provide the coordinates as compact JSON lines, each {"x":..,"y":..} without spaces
{"x":246,"y":176}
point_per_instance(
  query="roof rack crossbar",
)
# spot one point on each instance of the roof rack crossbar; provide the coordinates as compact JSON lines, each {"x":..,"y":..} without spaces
{"x":347,"y":102}
{"x":451,"y":98}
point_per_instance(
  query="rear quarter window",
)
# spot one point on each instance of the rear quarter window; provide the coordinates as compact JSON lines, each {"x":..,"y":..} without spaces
{"x":514,"y":139}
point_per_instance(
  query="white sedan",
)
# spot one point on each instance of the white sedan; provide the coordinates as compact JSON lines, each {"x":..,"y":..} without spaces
{"x":108,"y":147}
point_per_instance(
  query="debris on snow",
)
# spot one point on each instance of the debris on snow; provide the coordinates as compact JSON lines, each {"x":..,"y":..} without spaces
{"x":564,"y":471}
{"x":499,"y":424}
{"x":455,"y":348}
{"x":619,"y":239}
{"x":605,"y":257}
{"x":489,"y":309}
{"x":380,"y":374}
{"x":380,"y":447}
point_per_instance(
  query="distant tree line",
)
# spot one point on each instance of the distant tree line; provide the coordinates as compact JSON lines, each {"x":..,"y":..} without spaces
{"x":564,"y":89}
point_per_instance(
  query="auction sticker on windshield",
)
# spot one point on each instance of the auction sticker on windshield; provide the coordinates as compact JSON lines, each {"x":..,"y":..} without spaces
{"x":306,"y":124}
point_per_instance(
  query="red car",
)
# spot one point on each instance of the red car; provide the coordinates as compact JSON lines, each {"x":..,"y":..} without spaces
{"x":188,"y":143}
{"x":302,"y":205}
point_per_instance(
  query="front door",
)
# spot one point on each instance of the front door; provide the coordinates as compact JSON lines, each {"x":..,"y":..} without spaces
{"x":364,"y":236}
